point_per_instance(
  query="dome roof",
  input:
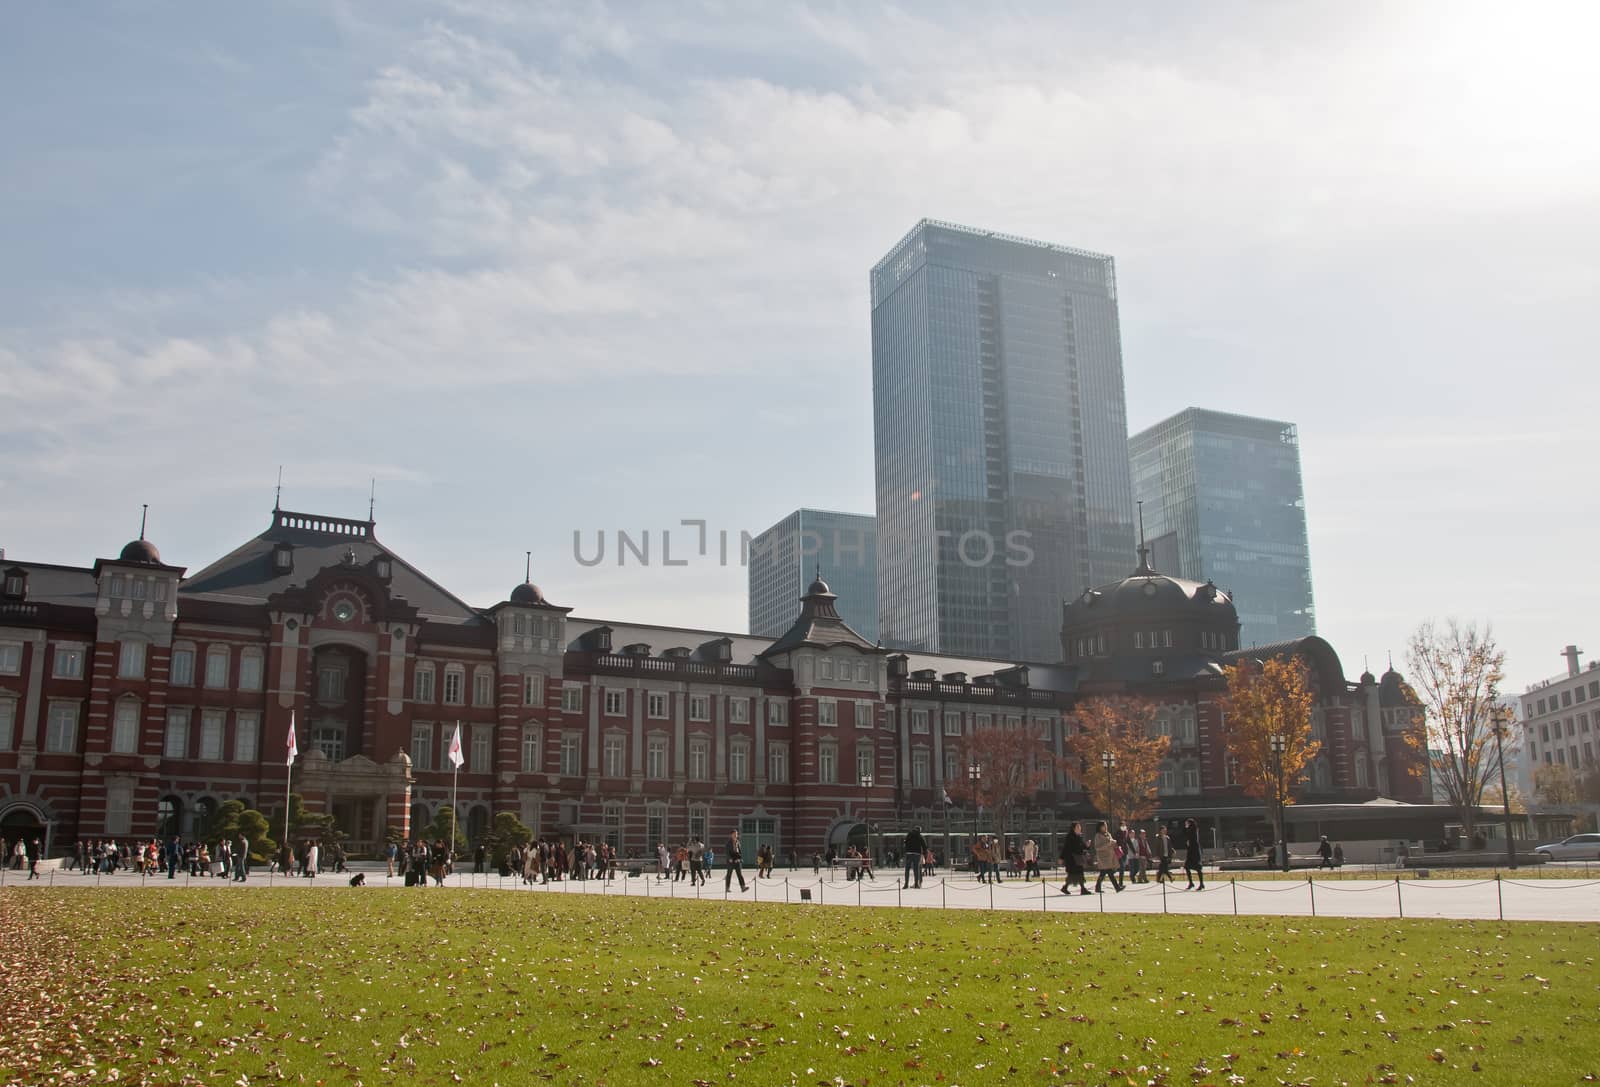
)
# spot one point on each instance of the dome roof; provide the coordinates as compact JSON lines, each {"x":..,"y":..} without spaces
{"x":819,"y":588}
{"x":141,"y":550}
{"x":527,"y":593}
{"x":1151,"y":593}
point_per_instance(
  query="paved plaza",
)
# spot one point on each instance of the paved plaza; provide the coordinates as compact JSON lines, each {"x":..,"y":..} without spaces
{"x":1476,"y":898}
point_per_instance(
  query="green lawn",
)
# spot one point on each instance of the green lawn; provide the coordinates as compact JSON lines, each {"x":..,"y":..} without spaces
{"x":223,"y":986}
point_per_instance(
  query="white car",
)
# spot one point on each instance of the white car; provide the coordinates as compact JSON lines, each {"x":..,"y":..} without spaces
{"x":1579,"y":847}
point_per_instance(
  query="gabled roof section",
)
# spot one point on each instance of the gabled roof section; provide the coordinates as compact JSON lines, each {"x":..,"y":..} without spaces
{"x":248,"y":575}
{"x":819,"y":625}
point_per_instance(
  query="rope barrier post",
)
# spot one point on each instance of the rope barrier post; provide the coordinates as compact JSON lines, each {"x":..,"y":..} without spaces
{"x":858,"y":890}
{"x":1234,"y":882}
{"x":991,"y":894}
{"x":785,"y":890}
{"x":819,"y":892}
{"x":1312,"y":885}
{"x":944,"y":902}
{"x":1399,"y":897}
{"x":1044,"y":899}
{"x":1499,"y":899}
{"x":1163,"y":898}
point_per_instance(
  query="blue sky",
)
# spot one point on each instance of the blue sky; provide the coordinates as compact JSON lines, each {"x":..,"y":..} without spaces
{"x":546,"y":268}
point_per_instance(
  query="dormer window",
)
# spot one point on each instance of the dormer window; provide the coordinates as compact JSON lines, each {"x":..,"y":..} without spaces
{"x":16,"y":584}
{"x":383,"y":567}
{"x":283,"y":558}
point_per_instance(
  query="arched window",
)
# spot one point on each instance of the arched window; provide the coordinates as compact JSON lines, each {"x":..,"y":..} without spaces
{"x":1361,"y":769}
{"x":200,"y":817}
{"x":125,"y":726}
{"x":420,"y":818}
{"x":477,"y":824}
{"x":169,"y":816}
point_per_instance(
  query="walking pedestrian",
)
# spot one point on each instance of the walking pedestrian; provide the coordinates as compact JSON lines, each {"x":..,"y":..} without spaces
{"x":1325,"y":851}
{"x":1030,"y":860}
{"x":1191,"y":854}
{"x":1164,"y":855}
{"x":1105,"y":858}
{"x":735,"y":864}
{"x":914,"y":847}
{"x":1073,"y":852}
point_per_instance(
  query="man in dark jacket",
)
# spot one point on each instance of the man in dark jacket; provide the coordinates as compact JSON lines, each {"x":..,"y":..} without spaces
{"x":1073,"y":850}
{"x":914,"y":849}
{"x":735,"y":864}
{"x":1191,"y":854}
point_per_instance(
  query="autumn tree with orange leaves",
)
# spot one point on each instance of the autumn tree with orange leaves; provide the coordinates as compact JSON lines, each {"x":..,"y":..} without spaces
{"x":1268,"y":699}
{"x":1015,"y":764}
{"x":1124,"y":728}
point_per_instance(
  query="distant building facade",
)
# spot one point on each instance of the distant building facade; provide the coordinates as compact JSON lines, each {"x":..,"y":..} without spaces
{"x":1223,"y":502}
{"x":784,"y":559}
{"x":1000,"y":433}
{"x":135,"y":698}
{"x":1561,"y":718}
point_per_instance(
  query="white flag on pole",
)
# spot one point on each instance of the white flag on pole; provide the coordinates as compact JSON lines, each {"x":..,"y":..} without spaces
{"x":457,"y":759}
{"x":294,"y":747}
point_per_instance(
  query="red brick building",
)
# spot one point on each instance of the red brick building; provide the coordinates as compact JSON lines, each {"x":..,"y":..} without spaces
{"x":135,"y":697}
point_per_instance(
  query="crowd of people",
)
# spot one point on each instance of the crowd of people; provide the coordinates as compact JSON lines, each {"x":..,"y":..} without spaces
{"x":153,"y":857}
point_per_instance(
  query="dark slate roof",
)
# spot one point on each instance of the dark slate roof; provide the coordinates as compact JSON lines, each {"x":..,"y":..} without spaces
{"x":247,"y":575}
{"x":1323,"y":659}
{"x":1394,"y":691}
{"x":819,"y":625}
{"x":51,"y":584}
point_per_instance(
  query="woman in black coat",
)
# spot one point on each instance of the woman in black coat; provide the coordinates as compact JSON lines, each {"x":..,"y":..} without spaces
{"x":1073,"y":850}
{"x":1191,"y":854}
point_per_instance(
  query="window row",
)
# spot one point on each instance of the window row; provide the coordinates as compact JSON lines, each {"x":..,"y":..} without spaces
{"x":858,"y":670}
{"x":658,"y":705}
{"x":655,"y":761}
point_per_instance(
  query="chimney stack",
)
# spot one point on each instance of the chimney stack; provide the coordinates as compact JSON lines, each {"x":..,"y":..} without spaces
{"x":1571,"y":653}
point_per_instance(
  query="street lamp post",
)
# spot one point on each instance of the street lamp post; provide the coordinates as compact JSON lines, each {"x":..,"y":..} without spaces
{"x":866,"y":824}
{"x":974,"y":775}
{"x":1500,"y":755}
{"x":1108,"y":759}
{"x":1279,"y":743}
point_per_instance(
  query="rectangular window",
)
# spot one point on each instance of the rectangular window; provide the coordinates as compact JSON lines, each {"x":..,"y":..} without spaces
{"x":699,"y":707}
{"x":182,"y":667}
{"x":572,"y":698}
{"x":68,"y":662}
{"x":1191,"y":779}
{"x":423,"y":687}
{"x":455,"y":681}
{"x":119,"y":806}
{"x":1167,"y":781}
{"x":8,"y":722}
{"x":827,"y":711}
{"x":331,"y":680}
{"x":919,"y":722}
{"x":777,"y":712}
{"x":655,"y":705}
{"x":655,"y":765}
{"x":1566,"y":699}
{"x":217,"y":667}
{"x":952,"y":724}
{"x":1186,"y":730}
{"x":615,"y":701}
{"x":863,"y":672}
{"x":1138,"y":639}
{"x":697,"y":823}
{"x":62,"y":732}
{"x":140,"y":588}
{"x":865,"y":766}
{"x":530,"y":750}
{"x":211,"y":735}
{"x":1541,"y":705}
{"x":246,"y":731}
{"x":739,"y":711}
{"x":739,"y":763}
{"x":125,"y":729}
{"x":571,"y":753}
{"x":866,"y":715}
{"x":982,"y":721}
{"x":778,"y":764}
{"x":825,"y":668}
{"x":919,"y":768}
{"x":533,"y":688}
{"x":250,"y":670}
{"x":827,"y":764}
{"x":422,"y":747}
{"x":131,"y":663}
{"x":481,"y":757}
{"x":699,"y":759}
{"x":613,"y":759}
{"x":655,"y":827}
{"x":1544,"y":732}
{"x":952,"y":765}
{"x":483,"y":688}
{"x":176,"y":743}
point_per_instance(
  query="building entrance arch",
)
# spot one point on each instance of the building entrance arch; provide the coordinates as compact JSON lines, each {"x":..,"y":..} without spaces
{"x":24,"y":823}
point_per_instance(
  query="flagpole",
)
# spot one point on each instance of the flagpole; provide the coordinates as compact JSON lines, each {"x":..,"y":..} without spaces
{"x":455,"y":779}
{"x":288,"y":780}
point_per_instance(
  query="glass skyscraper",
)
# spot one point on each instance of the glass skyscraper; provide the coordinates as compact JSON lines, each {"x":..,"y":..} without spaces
{"x":1000,"y":434}
{"x":783,"y":560}
{"x":1223,"y":502}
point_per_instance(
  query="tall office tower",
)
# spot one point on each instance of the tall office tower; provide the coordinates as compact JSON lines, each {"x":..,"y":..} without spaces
{"x":1000,"y":439}
{"x":1223,"y":502}
{"x":784,"y":559}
